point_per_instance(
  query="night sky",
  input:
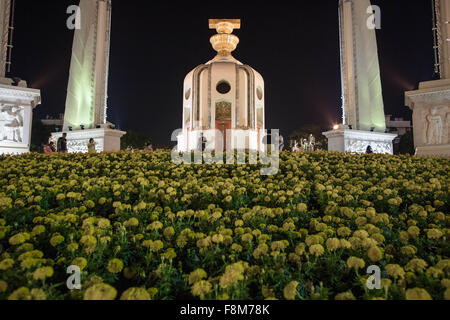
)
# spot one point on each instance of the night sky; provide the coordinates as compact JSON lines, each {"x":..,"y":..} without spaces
{"x":294,"y":45}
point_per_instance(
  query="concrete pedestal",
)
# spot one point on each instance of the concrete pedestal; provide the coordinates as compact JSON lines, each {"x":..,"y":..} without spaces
{"x":107,"y":140}
{"x":346,"y":140}
{"x":16,"y":116}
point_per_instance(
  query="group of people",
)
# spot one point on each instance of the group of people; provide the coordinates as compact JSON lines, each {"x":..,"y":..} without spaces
{"x":61,"y":146}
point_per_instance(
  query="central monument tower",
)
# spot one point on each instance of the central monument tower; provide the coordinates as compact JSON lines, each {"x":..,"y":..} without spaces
{"x":86,"y":101}
{"x":364,"y":122}
{"x":223,"y":100}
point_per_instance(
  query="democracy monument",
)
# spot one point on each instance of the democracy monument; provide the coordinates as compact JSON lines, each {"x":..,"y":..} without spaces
{"x":223,"y":102}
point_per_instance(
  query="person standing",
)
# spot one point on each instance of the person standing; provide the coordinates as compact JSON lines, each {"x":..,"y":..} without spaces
{"x":48,"y":148}
{"x":62,"y":144}
{"x":91,"y":146}
{"x":369,"y":150}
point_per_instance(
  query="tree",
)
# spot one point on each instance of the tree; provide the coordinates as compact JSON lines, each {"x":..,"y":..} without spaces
{"x":134,"y":140}
{"x":406,"y":144}
{"x":40,"y":134}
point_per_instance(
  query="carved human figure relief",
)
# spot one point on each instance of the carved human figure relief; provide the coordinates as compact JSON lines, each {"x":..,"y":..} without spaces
{"x":11,"y":123}
{"x":435,"y":127}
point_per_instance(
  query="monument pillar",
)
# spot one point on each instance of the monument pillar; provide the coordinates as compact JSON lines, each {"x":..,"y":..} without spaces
{"x":363,"y":119}
{"x":17,"y":101}
{"x":431,"y":102}
{"x":86,"y":103}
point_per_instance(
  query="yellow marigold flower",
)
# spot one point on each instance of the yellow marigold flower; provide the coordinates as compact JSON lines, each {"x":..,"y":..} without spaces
{"x":344,"y":244}
{"x":344,"y":231}
{"x":434,"y":234}
{"x":37,"y":230}
{"x":154,"y":226}
{"x":361,"y":234}
{"x":417,"y":265}
{"x":22,"y":293}
{"x":80,"y":262}
{"x":217,"y":238}
{"x":434,"y":272}
{"x":443,"y":265}
{"x":247,"y":237}
{"x":135,"y":294}
{"x":386,"y":283}
{"x":403,"y":236}
{"x":100,"y":291}
{"x":201,"y":288}
{"x":197,"y":275}
{"x":3,"y":286}
{"x":267,"y":292}
{"x":168,"y":232}
{"x":103,"y":223}
{"x":156,"y":246}
{"x":302,"y":207}
{"x":43,"y":273}
{"x":345,"y":296}
{"x":279,"y":245}
{"x":447,"y":294}
{"x":417,"y":294}
{"x":374,"y":254}
{"x":290,"y":291}
{"x":408,"y":250}
{"x":333,"y":244}
{"x":300,"y":249}
{"x":133,"y":222}
{"x":6,"y":264}
{"x":355,"y":263}
{"x":445,"y":283}
{"x":317,"y":250}
{"x":233,"y":274}
{"x":236,"y":247}
{"x":115,"y":265}
{"x":395,"y":271}
{"x":238,"y":223}
{"x":413,"y":231}
{"x":170,"y":254}
{"x":18,"y":239}
{"x":38,"y":294}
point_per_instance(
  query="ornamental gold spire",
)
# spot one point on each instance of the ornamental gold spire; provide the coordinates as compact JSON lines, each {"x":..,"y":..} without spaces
{"x":224,"y":42}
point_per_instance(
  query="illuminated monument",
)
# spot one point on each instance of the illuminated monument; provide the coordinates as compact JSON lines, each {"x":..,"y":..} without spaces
{"x":86,"y":101}
{"x":364,"y":122}
{"x":431,"y":103}
{"x":17,"y":101}
{"x":223,"y":100}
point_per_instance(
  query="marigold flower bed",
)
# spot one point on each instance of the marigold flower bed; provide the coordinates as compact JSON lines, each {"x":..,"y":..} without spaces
{"x":140,"y":227}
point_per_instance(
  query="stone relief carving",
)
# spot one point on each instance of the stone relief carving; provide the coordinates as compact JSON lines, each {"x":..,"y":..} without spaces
{"x":81,"y":146}
{"x":223,"y":110}
{"x":360,"y":146}
{"x":11,"y":123}
{"x":437,"y":127}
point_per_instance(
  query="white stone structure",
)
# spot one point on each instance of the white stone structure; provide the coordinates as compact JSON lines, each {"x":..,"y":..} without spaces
{"x":17,"y":101}
{"x":431,"y":102}
{"x":223,"y":99}
{"x":364,"y":121}
{"x":86,"y":103}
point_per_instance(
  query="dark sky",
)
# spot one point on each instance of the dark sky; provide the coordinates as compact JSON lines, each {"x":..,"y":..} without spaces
{"x":294,"y":45}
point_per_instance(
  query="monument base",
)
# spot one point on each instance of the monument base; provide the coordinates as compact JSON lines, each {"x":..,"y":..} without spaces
{"x":442,"y":151}
{"x":357,"y":141}
{"x":13,"y":150}
{"x":16,"y":113}
{"x":106,"y":140}
{"x":431,"y":117}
